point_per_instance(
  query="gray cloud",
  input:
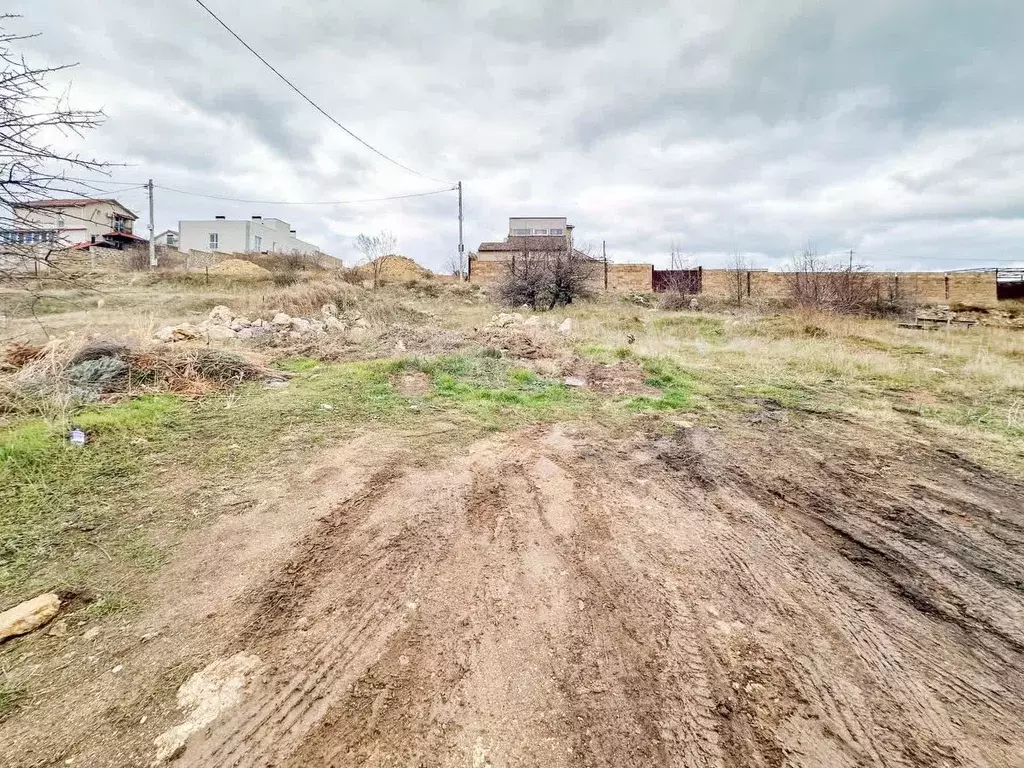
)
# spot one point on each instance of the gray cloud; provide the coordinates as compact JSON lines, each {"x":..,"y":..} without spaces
{"x":892,"y":128}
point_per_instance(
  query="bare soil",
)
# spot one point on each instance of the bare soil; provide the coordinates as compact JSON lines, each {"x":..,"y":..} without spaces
{"x":758,"y":596}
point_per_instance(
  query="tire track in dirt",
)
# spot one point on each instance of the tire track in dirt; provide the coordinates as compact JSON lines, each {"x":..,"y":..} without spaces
{"x":552,"y":600}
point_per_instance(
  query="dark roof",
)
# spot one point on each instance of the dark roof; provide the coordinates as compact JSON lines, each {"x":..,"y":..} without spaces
{"x":126,"y":236}
{"x":532,"y":243}
{"x":76,"y":202}
{"x":527,"y":242}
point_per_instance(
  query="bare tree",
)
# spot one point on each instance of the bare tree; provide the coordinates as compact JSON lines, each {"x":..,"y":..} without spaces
{"x":376,"y":252}
{"x":31,"y":166}
{"x":739,"y":275}
{"x":836,"y":284}
{"x":453,"y":265}
{"x":547,"y":279}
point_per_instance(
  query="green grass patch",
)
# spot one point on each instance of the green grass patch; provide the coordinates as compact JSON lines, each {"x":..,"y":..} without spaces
{"x":51,"y":491}
{"x":691,"y":326}
{"x":676,"y":385}
{"x":11,"y":698}
{"x":605,"y":355}
{"x":297,"y":364}
{"x":1007,"y":422}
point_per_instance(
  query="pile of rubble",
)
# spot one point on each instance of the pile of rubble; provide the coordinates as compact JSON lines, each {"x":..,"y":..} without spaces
{"x":516,"y":320}
{"x":223,"y":325}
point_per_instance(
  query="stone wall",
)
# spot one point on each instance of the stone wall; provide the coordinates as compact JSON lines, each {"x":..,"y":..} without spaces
{"x":973,"y":287}
{"x":625,"y":278}
{"x":486,"y":272}
{"x":930,"y":287}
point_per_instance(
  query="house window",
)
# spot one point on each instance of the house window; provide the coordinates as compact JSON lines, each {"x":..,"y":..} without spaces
{"x":258,"y":241}
{"x":214,"y":241}
{"x":520,"y":231}
{"x":556,"y":232}
{"x":540,"y":231}
{"x":172,"y":239}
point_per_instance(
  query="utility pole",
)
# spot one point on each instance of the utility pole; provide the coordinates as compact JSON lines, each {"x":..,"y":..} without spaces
{"x":851,"y":260}
{"x":152,"y":242}
{"x":462,"y":260}
{"x":604,"y":255}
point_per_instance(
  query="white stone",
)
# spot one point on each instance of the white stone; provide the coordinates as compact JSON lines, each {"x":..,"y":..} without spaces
{"x":29,"y":615}
{"x":361,"y":323}
{"x":359,"y":333}
{"x":301,"y":325}
{"x":329,"y":310}
{"x":334,"y":324}
{"x":221,"y":315}
{"x":238,"y":324}
{"x":575,"y":381}
{"x":164,"y":334}
{"x":204,"y":697}
{"x":281,"y":319}
{"x":566,"y":326}
{"x":400,"y":346}
{"x":220,"y":333}
{"x":91,"y":634}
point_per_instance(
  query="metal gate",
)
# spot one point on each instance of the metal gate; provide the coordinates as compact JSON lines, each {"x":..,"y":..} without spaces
{"x":1010,"y":284}
{"x":682,"y":280}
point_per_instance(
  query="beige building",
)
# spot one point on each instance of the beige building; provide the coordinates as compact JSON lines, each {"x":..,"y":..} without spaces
{"x":70,"y":223}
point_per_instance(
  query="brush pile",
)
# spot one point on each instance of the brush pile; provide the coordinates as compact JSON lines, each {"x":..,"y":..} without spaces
{"x":71,"y":371}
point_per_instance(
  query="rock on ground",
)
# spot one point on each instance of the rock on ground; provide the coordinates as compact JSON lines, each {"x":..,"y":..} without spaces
{"x":566,"y":326}
{"x":220,"y":333}
{"x":221,"y":315}
{"x":205,"y":696}
{"x":29,"y":615}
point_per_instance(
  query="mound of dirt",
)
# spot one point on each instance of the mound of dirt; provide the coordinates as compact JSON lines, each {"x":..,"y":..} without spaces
{"x":398,"y":268}
{"x":239,"y":269}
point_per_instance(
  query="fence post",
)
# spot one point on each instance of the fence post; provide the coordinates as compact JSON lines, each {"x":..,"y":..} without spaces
{"x":207,"y":275}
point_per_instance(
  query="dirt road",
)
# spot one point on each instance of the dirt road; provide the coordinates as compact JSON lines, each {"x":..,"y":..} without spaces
{"x":654,"y":602}
{"x":557,"y":598}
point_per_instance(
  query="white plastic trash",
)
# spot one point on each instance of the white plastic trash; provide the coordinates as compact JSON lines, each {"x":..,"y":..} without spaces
{"x":77,"y":437}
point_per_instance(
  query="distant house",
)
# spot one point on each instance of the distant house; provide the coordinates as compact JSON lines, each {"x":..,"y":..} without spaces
{"x":168,"y":237}
{"x":536,"y":236}
{"x":74,"y":223}
{"x":537,"y":227}
{"x":255,"y":235}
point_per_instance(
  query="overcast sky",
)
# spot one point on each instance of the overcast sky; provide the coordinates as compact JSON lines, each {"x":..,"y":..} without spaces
{"x":891,"y":127}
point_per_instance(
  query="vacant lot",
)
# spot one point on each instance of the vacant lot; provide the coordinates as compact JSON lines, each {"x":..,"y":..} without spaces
{"x":435,"y":538}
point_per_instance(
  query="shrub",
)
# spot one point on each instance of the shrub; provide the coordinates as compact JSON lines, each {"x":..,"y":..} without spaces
{"x":674,"y":301}
{"x":545,"y":280}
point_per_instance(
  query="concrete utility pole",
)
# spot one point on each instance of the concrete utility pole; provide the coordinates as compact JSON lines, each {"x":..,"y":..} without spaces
{"x":604,"y":255}
{"x":462,"y":259}
{"x":152,"y":242}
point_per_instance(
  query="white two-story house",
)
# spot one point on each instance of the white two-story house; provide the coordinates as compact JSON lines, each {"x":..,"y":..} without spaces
{"x":79,"y":222}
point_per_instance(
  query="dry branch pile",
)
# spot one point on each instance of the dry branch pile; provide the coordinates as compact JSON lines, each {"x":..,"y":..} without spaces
{"x":69,"y":372}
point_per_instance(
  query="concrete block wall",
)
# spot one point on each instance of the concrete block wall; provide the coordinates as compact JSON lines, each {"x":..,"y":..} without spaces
{"x":973,"y":288}
{"x":930,"y":287}
{"x":486,"y":272}
{"x":626,"y":278}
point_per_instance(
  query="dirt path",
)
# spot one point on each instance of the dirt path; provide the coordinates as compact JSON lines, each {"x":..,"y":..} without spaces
{"x":554,"y":598}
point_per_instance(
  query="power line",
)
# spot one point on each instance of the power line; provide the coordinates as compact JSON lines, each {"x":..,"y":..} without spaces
{"x":291,"y":202}
{"x":312,"y":103}
{"x":102,"y":181}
